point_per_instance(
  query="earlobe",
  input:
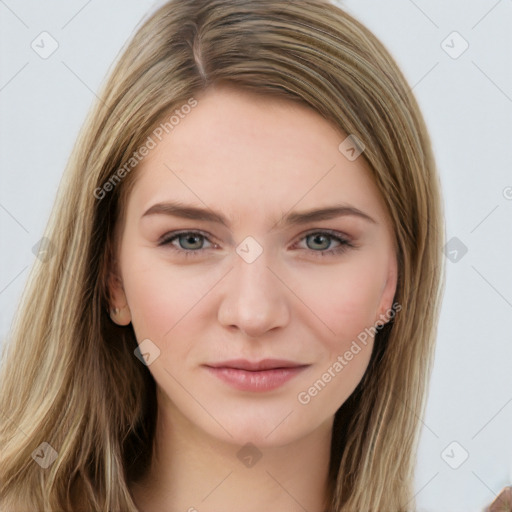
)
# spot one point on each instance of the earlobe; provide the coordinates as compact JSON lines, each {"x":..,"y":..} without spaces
{"x":121,"y":316}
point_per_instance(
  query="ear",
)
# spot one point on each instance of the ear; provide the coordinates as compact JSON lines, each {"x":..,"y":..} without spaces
{"x":383,"y":315}
{"x":118,"y":307}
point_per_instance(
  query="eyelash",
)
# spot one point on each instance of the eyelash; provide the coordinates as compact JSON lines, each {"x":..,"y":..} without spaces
{"x":166,"y":240}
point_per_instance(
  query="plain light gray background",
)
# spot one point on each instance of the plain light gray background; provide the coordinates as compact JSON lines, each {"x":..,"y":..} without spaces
{"x":466,"y":98}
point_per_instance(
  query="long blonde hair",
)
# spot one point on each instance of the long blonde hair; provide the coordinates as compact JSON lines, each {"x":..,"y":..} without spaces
{"x":69,"y":377}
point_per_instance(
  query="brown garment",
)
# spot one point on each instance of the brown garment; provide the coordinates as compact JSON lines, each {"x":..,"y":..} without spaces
{"x":503,"y":502}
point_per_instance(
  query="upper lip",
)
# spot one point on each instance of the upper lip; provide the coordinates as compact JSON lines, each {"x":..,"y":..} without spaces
{"x":264,"y":364}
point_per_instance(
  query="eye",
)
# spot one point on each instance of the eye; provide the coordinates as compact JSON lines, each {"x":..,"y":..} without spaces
{"x":190,"y":243}
{"x":320,"y":243}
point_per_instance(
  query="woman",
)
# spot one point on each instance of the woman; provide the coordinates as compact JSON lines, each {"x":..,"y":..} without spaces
{"x":252,"y":370}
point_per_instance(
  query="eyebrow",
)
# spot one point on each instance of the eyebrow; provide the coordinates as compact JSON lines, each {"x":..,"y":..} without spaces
{"x":184,"y":211}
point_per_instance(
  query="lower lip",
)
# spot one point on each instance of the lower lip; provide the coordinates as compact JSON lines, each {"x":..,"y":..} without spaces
{"x":263,"y":380}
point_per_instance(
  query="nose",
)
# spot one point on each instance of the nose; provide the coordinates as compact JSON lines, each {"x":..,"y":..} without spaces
{"x":254,"y":300}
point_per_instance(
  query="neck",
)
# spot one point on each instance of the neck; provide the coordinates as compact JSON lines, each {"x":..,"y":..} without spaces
{"x":194,"y":472}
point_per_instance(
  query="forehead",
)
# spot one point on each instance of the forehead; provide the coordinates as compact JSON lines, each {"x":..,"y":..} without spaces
{"x":239,"y":151}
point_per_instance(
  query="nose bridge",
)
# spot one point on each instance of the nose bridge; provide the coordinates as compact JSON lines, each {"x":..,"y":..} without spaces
{"x":254,"y":301}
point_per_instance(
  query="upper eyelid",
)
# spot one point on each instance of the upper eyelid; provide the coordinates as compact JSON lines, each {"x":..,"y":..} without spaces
{"x":173,"y":234}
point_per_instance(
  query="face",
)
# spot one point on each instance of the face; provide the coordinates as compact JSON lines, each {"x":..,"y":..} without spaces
{"x":250,"y":303}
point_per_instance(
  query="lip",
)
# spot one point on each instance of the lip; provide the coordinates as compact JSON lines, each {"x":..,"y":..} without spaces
{"x":257,"y":376}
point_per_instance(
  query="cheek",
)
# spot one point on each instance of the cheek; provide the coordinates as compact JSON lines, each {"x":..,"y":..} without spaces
{"x":158,"y":295}
{"x":347,"y":299}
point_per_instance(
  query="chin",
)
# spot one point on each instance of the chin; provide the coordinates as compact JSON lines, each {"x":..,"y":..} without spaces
{"x":264,"y":429}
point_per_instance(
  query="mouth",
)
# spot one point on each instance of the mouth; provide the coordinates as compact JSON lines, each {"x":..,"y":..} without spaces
{"x":256,"y":376}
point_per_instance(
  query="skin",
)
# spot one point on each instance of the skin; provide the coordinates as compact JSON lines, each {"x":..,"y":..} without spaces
{"x":254,"y":159}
